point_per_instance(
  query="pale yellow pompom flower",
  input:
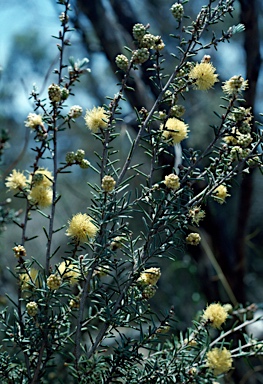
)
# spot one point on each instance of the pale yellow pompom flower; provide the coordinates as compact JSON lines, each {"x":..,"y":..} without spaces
{"x":150,"y":276}
{"x":219,"y":360}
{"x":42,"y":177}
{"x":174,"y":131}
{"x":69,"y":272}
{"x":234,"y":85}
{"x":172,"y":181}
{"x":41,"y":196}
{"x":96,"y":119}
{"x":33,"y":121}
{"x":215,"y":314}
{"x":203,"y":76}
{"x":16,"y":181}
{"x":220,"y":194}
{"x":81,"y":227}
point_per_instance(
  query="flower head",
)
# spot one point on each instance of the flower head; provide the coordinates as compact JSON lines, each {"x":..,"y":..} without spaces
{"x":150,"y":276}
{"x":69,"y":272}
{"x":41,"y":196}
{"x":220,"y":194}
{"x":203,"y":76}
{"x":19,"y":251}
{"x":96,"y":119}
{"x":177,"y":11}
{"x":234,"y":85}
{"x":32,"y":308}
{"x":219,"y":360}
{"x":193,"y":239}
{"x":54,"y":93}
{"x":215,"y":314}
{"x":33,"y":121}
{"x":80,"y":227}
{"x":108,"y":183}
{"x":16,"y":181}
{"x":54,"y":282}
{"x":172,"y":181}
{"x":174,"y":131}
{"x":42,"y":177}
{"x":75,"y":111}
{"x":122,"y":62}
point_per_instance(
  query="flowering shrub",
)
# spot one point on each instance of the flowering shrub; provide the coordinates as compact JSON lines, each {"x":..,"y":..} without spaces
{"x":89,"y":313}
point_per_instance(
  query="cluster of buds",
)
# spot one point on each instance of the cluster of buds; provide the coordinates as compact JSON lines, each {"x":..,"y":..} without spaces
{"x":74,"y":303}
{"x":108,"y":183}
{"x":63,"y":18}
{"x":140,"y":55}
{"x":177,"y":11}
{"x":32,"y":308}
{"x":54,"y":282}
{"x":77,"y":158}
{"x":172,"y":182}
{"x":193,"y":238}
{"x":122,"y":62}
{"x":54,"y":93}
{"x":75,"y":112}
{"x":19,"y":251}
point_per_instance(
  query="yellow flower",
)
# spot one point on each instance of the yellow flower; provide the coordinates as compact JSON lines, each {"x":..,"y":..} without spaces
{"x":220,"y":194}
{"x":203,"y":76}
{"x":215,"y":314}
{"x":15,"y":181}
{"x":69,"y":272}
{"x":172,"y":181}
{"x":81,"y":227}
{"x":42,"y":177}
{"x":41,"y":196}
{"x":174,"y":131}
{"x":96,"y":119}
{"x":234,"y":85}
{"x":219,"y":360}
{"x":193,"y":239}
{"x":150,"y":276}
{"x":33,"y":121}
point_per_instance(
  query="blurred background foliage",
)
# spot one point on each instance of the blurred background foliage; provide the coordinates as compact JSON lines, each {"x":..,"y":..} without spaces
{"x":232,"y":233}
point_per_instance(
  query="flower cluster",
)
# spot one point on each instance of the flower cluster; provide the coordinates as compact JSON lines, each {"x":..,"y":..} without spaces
{"x":219,"y":360}
{"x":96,"y":119}
{"x":174,"y":131}
{"x":203,"y":76}
{"x":108,"y":183}
{"x":81,"y":228}
{"x":215,"y":314}
{"x":41,"y":193}
{"x":193,"y":239}
{"x":172,"y":181}
{"x":54,"y":281}
{"x":16,"y":181}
